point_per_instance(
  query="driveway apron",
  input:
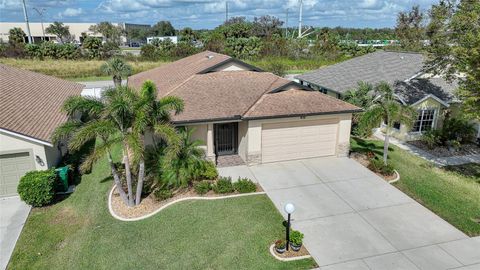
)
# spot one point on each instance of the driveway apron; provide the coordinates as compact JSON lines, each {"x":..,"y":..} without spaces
{"x":353,"y":219}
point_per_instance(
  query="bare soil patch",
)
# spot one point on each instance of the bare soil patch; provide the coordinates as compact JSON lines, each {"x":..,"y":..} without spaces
{"x":443,"y":151}
{"x":150,"y":203}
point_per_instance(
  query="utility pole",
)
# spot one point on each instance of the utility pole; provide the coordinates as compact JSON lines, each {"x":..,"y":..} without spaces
{"x":26,"y":21}
{"x":300,"y":20}
{"x":226,"y":11}
{"x":40,"y":13}
{"x":286,"y":25}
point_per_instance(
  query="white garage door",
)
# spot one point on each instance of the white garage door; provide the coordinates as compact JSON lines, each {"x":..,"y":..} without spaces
{"x":12,"y":168}
{"x":300,"y":139}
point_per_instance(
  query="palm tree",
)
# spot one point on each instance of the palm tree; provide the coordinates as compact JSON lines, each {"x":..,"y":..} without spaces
{"x":118,"y":69}
{"x":362,"y":97}
{"x":123,"y":117}
{"x":188,"y":162}
{"x":386,"y":108}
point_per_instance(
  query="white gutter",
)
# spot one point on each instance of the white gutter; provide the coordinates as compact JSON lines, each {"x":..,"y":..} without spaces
{"x":25,"y":137}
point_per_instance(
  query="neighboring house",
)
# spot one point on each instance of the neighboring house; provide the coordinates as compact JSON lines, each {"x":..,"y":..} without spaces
{"x":431,"y":96}
{"x":29,"y":112}
{"x":173,"y":39}
{"x":238,"y":110}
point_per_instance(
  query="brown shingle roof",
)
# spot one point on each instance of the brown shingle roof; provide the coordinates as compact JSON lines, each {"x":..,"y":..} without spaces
{"x":30,"y":102}
{"x":223,"y":95}
{"x":297,"y":102}
{"x":171,"y":75}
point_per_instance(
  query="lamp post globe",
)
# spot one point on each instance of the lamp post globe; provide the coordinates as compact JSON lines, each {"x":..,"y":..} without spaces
{"x":289,"y":209}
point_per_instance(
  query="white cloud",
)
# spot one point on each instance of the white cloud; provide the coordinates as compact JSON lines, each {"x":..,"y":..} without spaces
{"x":71,"y":12}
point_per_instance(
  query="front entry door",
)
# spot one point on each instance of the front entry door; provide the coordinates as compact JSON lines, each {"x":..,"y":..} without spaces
{"x":226,"y":137}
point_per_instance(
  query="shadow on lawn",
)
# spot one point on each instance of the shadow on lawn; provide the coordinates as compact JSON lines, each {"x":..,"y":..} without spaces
{"x":364,"y":146}
{"x":468,"y":170}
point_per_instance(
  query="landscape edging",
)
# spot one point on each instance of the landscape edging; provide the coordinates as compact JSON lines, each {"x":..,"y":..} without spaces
{"x":287,"y":259}
{"x":396,"y":178}
{"x":110,"y":208}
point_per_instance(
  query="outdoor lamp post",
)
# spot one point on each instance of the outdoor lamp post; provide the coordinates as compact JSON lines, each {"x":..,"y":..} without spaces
{"x":289,"y":209}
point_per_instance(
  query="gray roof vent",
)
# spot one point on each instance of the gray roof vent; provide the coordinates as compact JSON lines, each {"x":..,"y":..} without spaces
{"x":209,"y":56}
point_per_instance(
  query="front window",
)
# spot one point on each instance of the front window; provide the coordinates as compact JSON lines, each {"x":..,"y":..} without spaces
{"x":424,"y":121}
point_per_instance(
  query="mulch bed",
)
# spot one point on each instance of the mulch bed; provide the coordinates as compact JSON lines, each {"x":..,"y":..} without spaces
{"x":149,"y":204}
{"x":442,"y":151}
{"x":292,"y":254}
{"x":363,"y":159}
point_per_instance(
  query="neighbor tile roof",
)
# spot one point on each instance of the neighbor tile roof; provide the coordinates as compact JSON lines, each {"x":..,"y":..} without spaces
{"x":224,"y":95}
{"x":416,"y":89}
{"x":371,"y":68}
{"x":171,"y":75}
{"x":30,"y":102}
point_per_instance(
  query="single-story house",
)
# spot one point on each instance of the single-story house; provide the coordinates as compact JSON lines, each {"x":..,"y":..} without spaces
{"x":238,"y":110}
{"x":432,"y":96}
{"x":29,"y":112}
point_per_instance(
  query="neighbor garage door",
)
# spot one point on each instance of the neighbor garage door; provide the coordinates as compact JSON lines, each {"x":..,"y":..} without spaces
{"x":301,"y":139}
{"x":12,"y":168}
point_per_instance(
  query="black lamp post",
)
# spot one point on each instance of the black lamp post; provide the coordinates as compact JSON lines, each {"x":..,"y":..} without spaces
{"x":289,"y":209}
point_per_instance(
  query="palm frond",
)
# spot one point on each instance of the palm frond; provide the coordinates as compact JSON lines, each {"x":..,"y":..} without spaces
{"x":81,"y":105}
{"x":91,"y":130}
{"x":65,"y":131}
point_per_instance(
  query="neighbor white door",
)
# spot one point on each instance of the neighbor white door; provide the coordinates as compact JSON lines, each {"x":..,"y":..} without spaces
{"x":12,"y":168}
{"x":299,"y":139}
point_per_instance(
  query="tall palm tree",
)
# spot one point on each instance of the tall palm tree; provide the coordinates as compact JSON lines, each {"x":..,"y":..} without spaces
{"x":123,"y":117}
{"x":118,"y":69}
{"x":385,"y":108}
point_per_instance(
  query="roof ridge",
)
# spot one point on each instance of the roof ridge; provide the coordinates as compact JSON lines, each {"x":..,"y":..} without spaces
{"x":178,"y":85}
{"x":262,"y":97}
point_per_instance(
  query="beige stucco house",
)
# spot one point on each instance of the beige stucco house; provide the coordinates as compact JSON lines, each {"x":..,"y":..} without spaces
{"x":29,"y":112}
{"x":242,"y":113}
{"x":432,"y":96}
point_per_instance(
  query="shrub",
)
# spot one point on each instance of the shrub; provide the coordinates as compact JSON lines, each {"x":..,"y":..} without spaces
{"x":36,"y":188}
{"x":148,"y":51}
{"x":457,"y":129}
{"x":296,"y":237}
{"x":431,"y":138}
{"x":209,"y":171}
{"x":163,"y":194}
{"x":244,"y":185}
{"x":223,"y":185}
{"x":202,"y":187}
{"x":33,"y":51}
{"x":378,"y":166}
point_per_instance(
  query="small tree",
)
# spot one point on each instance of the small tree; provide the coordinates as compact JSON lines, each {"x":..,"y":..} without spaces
{"x":16,"y":36}
{"x":385,"y":108}
{"x":111,"y":33}
{"x":60,"y":30}
{"x":410,"y":29}
{"x":118,"y":69}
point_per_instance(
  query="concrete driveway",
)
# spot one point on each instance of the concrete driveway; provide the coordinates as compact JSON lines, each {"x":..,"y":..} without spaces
{"x":352,"y":219}
{"x":13,"y":214}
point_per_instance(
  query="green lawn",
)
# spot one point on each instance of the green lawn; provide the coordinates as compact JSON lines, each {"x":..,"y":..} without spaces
{"x":453,"y":193}
{"x":79,"y":233}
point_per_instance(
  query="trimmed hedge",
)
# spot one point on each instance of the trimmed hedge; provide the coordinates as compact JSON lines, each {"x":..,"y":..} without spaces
{"x":36,"y":188}
{"x":202,"y":187}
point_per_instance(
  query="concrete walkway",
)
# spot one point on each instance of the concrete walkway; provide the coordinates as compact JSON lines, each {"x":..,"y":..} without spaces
{"x":352,"y":219}
{"x":13,"y":214}
{"x":439,"y":161}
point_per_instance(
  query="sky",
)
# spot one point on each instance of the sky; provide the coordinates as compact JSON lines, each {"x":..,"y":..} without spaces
{"x":207,"y":14}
